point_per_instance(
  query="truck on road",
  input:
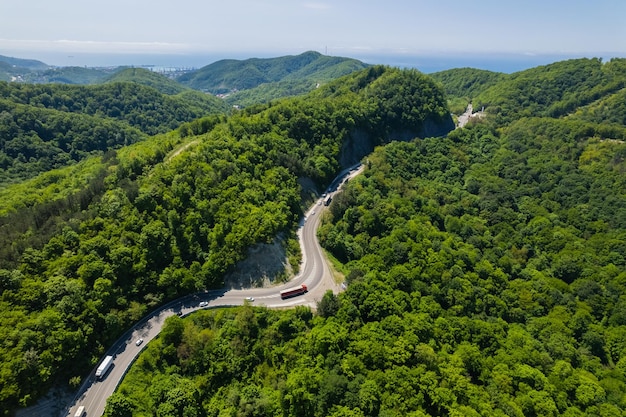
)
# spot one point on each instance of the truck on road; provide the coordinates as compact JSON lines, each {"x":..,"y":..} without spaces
{"x":104,"y":367}
{"x":292,"y":292}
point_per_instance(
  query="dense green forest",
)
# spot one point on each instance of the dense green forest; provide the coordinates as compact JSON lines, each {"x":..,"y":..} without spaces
{"x":553,"y":90}
{"x":462,"y":85}
{"x":49,"y":126}
{"x":148,"y":78}
{"x":485,"y":276}
{"x":47,"y":123}
{"x":92,"y":247}
{"x":239,"y":82}
{"x":230,"y":75}
{"x":485,"y":268}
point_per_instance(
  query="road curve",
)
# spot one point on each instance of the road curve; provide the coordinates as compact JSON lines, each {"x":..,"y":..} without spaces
{"x":314,"y":273}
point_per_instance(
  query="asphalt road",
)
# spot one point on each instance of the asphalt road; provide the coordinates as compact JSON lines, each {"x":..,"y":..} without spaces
{"x":314,"y":273}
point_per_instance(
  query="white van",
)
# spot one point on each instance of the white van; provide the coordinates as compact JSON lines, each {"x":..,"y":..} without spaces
{"x":80,"y":412}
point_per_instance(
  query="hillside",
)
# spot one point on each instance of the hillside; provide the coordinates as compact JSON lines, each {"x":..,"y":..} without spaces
{"x":33,"y":71}
{"x":609,"y":109}
{"x":484,"y":266}
{"x":23,"y":63}
{"x":48,"y":126}
{"x":241,"y":83}
{"x":67,"y":75}
{"x":15,"y":69}
{"x":229,"y":76}
{"x":463,"y":84}
{"x":146,"y":227}
{"x":553,"y":90}
{"x":148,"y":78}
{"x":485,"y":277}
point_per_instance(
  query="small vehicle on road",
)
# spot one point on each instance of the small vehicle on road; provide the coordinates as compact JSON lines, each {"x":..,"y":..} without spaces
{"x":204,"y":303}
{"x":139,"y":342}
{"x":249,"y":299}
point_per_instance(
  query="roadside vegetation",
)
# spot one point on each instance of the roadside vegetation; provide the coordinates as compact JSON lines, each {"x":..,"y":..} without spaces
{"x":485,"y":277}
{"x":147,"y":224}
{"x":485,"y":266}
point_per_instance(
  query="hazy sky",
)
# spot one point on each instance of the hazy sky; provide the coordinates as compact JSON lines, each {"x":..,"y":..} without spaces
{"x":342,"y":27}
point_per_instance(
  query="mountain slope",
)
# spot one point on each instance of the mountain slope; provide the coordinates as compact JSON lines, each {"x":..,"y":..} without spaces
{"x":463,"y":84}
{"x":553,"y":90}
{"x":153,"y":227}
{"x":148,"y":78}
{"x":230,"y":75}
{"x":47,"y":126}
{"x":32,"y":64}
{"x":485,"y":276}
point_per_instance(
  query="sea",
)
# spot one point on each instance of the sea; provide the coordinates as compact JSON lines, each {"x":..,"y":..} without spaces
{"x":426,"y":63}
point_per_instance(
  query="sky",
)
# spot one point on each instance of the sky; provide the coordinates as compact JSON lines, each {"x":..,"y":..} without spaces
{"x":72,"y":32}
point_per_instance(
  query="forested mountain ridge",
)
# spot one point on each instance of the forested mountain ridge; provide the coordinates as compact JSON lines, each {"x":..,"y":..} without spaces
{"x":151,"y":226}
{"x":259,"y":80}
{"x":34,"y":71}
{"x":23,"y":63}
{"x":139,"y":105}
{"x":228,"y":75}
{"x":554,"y":90}
{"x":485,"y":277}
{"x":13,"y":69}
{"x":240,"y":83}
{"x":148,"y":78}
{"x":48,"y":126}
{"x":464,"y":84}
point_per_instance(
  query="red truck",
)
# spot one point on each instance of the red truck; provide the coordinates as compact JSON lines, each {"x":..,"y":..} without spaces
{"x":292,"y":292}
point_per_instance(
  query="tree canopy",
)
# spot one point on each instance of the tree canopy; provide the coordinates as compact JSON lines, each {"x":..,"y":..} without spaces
{"x":170,"y":215}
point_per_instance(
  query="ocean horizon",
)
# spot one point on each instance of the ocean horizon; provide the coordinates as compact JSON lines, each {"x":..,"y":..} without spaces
{"x":426,"y":63}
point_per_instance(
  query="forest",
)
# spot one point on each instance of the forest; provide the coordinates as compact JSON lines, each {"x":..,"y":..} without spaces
{"x":484,"y":266}
{"x":94,"y":246}
{"x":485,"y":276}
{"x":49,"y":126}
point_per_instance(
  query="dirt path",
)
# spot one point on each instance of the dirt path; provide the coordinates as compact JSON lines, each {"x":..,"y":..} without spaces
{"x":181,"y":149}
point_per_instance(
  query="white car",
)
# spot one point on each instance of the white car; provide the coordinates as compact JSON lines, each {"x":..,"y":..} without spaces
{"x":249,"y":299}
{"x":138,"y":342}
{"x":204,"y":303}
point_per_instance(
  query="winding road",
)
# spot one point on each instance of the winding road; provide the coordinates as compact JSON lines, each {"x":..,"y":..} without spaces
{"x":315,"y":274}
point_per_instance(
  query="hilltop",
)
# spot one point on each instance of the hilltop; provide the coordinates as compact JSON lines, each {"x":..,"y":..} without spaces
{"x":229,"y":75}
{"x":239,"y":82}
